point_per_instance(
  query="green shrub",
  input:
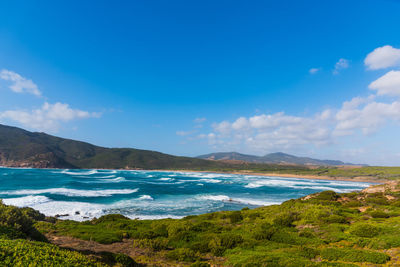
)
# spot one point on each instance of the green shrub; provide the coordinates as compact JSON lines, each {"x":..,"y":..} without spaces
{"x":235,"y":217}
{"x":32,"y":253}
{"x":285,"y":219}
{"x":379,"y":214}
{"x":364,"y":230}
{"x":354,"y":255}
{"x":155,"y":244}
{"x":377,"y":200}
{"x":182,"y":254}
{"x":264,"y":232}
{"x":334,"y":218}
{"x":125,"y":260}
{"x":327,"y":195}
{"x":200,"y":264}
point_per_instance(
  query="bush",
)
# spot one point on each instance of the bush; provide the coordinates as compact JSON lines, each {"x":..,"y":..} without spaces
{"x":364,"y":230}
{"x":377,"y":200}
{"x":31,"y":253}
{"x":200,"y":264}
{"x":354,"y":255}
{"x":125,"y":260}
{"x":327,"y":195}
{"x":379,"y":214}
{"x":335,"y":219}
{"x":235,"y":217}
{"x":182,"y":254}
{"x":264,"y":232}
{"x":285,"y":219}
{"x":154,"y":244}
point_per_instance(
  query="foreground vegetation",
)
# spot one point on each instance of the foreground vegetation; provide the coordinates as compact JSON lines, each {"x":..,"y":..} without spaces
{"x":324,"y":229}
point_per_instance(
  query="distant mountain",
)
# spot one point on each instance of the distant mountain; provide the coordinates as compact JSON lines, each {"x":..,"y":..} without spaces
{"x":273,"y":158}
{"x":21,"y":148}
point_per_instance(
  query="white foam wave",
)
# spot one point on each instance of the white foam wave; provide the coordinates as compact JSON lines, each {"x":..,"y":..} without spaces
{"x":212,"y":181}
{"x":26,"y":201}
{"x":215,"y":197}
{"x":166,"y":179}
{"x":146,"y":197}
{"x":80,"y":172}
{"x":224,"y":198}
{"x":72,"y":192}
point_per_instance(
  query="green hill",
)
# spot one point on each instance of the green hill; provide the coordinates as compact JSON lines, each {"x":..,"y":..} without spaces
{"x":20,"y":148}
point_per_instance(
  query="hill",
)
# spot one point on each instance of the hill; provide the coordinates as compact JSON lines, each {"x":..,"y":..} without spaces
{"x":21,"y":148}
{"x":273,"y":158}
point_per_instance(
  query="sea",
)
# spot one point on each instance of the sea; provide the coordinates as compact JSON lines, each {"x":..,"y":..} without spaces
{"x":87,"y":194}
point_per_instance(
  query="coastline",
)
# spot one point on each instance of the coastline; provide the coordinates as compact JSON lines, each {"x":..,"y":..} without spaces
{"x":299,"y":176}
{"x":245,"y":172}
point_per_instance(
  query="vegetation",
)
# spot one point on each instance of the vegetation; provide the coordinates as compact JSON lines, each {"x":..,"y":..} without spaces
{"x":323,"y":229}
{"x":21,"y":244}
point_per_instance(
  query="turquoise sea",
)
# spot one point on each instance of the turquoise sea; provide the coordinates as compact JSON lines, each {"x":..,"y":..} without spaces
{"x":85,"y":194}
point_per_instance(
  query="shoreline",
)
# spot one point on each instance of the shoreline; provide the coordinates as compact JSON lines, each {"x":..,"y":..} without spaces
{"x":244,"y":172}
{"x":299,"y":176}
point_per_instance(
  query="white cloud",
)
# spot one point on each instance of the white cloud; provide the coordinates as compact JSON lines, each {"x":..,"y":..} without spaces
{"x":314,"y":70}
{"x":341,"y":64}
{"x":19,"y":84}
{"x":46,"y":118}
{"x":364,"y":114}
{"x":383,"y":57}
{"x":388,"y":84}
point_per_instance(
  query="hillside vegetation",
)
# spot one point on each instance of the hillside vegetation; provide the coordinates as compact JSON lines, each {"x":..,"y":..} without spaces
{"x":323,"y":229}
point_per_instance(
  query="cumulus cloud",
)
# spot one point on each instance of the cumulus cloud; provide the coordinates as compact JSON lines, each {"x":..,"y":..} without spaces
{"x":340,"y":65}
{"x":19,"y":84}
{"x":314,"y":70}
{"x":383,"y":57}
{"x":388,"y":84}
{"x":46,"y":118}
{"x":364,"y":114}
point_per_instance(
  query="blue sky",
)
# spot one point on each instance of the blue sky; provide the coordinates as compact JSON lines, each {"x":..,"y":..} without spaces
{"x":193,"y":77}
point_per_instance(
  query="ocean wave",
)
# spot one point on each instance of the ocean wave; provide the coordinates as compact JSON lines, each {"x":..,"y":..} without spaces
{"x":72,"y":192}
{"x":212,"y":181}
{"x":145,"y":197}
{"x":79,"y":172}
{"x":26,"y":201}
{"x":224,"y":198}
{"x":166,"y":179}
{"x":215,"y":197}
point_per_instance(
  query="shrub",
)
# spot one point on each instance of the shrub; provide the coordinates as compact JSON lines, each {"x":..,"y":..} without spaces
{"x":364,"y":230}
{"x":379,"y":214}
{"x":377,"y":200}
{"x":354,"y":255}
{"x":182,"y":254}
{"x":200,"y":264}
{"x":327,"y":195}
{"x":334,"y":218}
{"x":264,"y":232}
{"x":235,"y":217}
{"x":352,"y":204}
{"x":32,"y":253}
{"x":154,"y":244}
{"x":285,"y":219}
{"x":125,"y":260}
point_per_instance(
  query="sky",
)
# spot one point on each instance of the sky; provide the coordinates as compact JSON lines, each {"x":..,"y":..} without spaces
{"x":310,"y":78}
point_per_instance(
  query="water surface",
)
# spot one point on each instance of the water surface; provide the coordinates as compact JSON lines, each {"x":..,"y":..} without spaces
{"x":85,"y":194}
